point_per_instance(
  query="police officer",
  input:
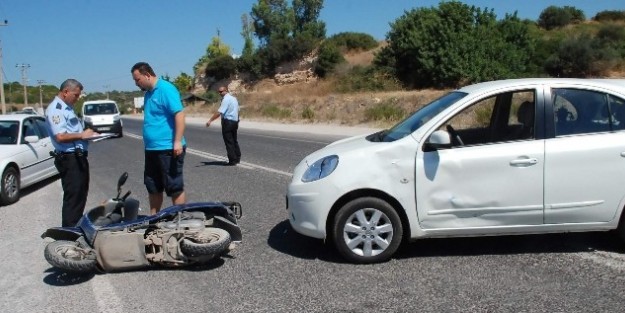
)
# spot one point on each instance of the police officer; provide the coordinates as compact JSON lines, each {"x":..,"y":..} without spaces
{"x":71,"y":146}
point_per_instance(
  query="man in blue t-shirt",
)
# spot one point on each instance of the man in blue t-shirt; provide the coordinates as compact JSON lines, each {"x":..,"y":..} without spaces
{"x":163,"y":137}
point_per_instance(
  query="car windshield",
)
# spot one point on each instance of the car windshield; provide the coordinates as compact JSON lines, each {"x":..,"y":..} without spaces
{"x":100,"y":108}
{"x":417,"y":119}
{"x":8,"y":132}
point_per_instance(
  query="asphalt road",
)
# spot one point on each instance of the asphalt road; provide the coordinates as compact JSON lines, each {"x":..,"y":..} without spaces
{"x":276,"y":270}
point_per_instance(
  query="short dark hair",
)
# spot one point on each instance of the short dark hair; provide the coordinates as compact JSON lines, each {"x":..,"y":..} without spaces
{"x":143,"y":68}
{"x":70,"y":84}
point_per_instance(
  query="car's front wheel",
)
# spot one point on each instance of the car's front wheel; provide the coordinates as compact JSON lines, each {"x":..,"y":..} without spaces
{"x":367,"y":230}
{"x":9,"y":186}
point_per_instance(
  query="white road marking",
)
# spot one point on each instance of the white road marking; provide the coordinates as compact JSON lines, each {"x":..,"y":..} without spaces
{"x":215,"y":157}
{"x":107,"y":300}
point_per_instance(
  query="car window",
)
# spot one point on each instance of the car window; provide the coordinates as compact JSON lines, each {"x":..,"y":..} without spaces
{"x":29,"y":128}
{"x":41,"y":127}
{"x":417,"y":119}
{"x":503,"y":117}
{"x":578,"y":111}
{"x":8,"y":132}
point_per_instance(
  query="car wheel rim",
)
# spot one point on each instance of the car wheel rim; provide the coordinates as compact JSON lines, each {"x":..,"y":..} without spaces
{"x":10,"y":185}
{"x":368,"y":232}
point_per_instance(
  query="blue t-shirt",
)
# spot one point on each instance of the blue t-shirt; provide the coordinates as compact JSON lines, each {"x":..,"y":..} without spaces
{"x":160,"y":106}
{"x":60,"y":119}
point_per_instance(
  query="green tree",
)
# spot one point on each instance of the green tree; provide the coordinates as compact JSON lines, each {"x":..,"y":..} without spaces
{"x":183,"y":82}
{"x":215,"y":49}
{"x":247,"y":33}
{"x":221,"y":67}
{"x":286,"y":33}
{"x":273,"y":20}
{"x":455,"y":44}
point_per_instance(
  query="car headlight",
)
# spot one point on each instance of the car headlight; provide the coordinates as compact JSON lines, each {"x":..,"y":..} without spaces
{"x":87,"y":119}
{"x":116,"y":118}
{"x":320,"y":169}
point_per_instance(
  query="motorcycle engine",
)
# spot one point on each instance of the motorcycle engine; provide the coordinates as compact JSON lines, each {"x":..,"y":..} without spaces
{"x":185,"y":221}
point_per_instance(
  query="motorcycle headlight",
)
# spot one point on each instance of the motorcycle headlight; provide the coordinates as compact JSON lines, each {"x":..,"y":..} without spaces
{"x":321,"y":168}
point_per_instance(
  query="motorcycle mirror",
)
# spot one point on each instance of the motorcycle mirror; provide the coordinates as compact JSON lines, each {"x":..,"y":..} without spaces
{"x":120,"y":182}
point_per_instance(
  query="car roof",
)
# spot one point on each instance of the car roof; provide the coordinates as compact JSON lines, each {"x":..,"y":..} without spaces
{"x":497,"y":84}
{"x":98,"y":101}
{"x":16,"y":117}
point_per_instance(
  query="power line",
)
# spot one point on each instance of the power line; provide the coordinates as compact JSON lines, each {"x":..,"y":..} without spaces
{"x":24,"y":67}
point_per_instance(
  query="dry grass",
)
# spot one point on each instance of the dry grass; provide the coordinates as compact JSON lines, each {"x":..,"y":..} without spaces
{"x":315,"y":102}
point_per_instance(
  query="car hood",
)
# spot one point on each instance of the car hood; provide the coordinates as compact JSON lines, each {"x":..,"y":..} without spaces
{"x":357,"y":146}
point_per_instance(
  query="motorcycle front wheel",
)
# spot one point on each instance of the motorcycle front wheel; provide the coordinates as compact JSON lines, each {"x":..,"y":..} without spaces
{"x":210,"y":241}
{"x":70,"y":256}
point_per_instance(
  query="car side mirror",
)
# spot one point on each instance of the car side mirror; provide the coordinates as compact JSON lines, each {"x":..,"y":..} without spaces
{"x":31,"y":139}
{"x":439,"y":139}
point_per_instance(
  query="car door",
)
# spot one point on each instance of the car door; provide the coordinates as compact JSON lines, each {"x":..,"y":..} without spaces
{"x":36,"y":157}
{"x":585,"y":162}
{"x":492,"y":176}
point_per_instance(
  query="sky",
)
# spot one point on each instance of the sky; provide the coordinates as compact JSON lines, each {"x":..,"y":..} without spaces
{"x":98,"y":41}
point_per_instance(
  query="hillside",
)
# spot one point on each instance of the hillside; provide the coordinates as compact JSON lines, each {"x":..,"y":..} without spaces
{"x":313,"y":101}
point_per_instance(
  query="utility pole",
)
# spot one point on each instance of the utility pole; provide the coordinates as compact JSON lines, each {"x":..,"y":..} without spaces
{"x":24,"y":80}
{"x":4,"y":106}
{"x":40,"y":82}
{"x":106,"y":87}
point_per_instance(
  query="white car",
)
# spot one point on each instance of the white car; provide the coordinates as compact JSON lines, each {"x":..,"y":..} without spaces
{"x":24,"y":154}
{"x":496,"y":158}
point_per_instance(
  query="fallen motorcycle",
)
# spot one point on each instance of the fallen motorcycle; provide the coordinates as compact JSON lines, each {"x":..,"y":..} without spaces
{"x":114,"y":237}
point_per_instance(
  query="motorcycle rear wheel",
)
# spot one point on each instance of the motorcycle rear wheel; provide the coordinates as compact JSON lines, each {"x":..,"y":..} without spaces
{"x":211,"y":241}
{"x":70,"y":256}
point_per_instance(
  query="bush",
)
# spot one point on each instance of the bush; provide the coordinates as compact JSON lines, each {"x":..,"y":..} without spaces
{"x":273,"y":111}
{"x":609,"y":16}
{"x":308,"y":113}
{"x":353,"y":41}
{"x":385,"y":111}
{"x":212,"y":96}
{"x":329,"y":56}
{"x":554,"y":17}
{"x":366,"y":79}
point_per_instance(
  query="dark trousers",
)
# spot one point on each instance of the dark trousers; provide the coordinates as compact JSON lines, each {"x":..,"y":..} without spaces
{"x":229,"y":132}
{"x":74,"y":170}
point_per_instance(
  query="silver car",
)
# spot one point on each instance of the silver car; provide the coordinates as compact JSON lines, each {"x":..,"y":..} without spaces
{"x":496,"y":158}
{"x":24,"y":154}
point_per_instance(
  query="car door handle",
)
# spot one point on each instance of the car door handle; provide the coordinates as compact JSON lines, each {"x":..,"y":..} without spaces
{"x":623,"y":154}
{"x":524,"y":162}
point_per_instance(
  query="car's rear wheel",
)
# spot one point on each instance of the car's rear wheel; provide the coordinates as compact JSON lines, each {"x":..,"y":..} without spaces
{"x":10,"y":186}
{"x":367,"y":230}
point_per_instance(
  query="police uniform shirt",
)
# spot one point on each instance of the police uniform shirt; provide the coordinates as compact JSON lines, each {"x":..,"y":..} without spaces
{"x":61,"y":119}
{"x":229,"y":108}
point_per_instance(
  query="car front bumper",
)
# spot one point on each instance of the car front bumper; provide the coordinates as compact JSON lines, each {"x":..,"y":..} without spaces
{"x":308,"y":208}
{"x":115,"y":128}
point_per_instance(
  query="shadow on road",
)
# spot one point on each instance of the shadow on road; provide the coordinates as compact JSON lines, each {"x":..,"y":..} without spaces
{"x":57,"y":277}
{"x":213,"y":163}
{"x":284,"y":239}
{"x":37,"y":186}
{"x":521,"y":244}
